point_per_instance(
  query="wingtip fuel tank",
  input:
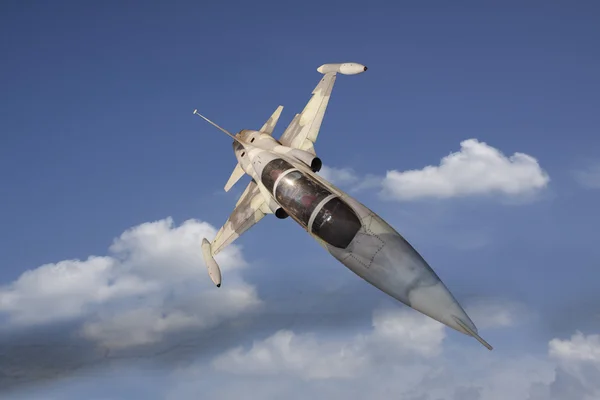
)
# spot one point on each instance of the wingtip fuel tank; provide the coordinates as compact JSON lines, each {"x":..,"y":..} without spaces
{"x":349,"y":68}
{"x":213,"y":268}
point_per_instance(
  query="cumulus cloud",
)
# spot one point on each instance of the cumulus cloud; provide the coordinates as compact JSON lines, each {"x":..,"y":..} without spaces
{"x":401,"y":356}
{"x":157,"y":262}
{"x":421,"y":370}
{"x":147,"y":325}
{"x":407,"y":332}
{"x":403,"y":353}
{"x":579,"y":348}
{"x":153,"y":284}
{"x":476,"y":169}
{"x":288,"y":353}
{"x":137,"y":327}
{"x":398,"y":333}
{"x":68,"y":289}
{"x":577,"y":375}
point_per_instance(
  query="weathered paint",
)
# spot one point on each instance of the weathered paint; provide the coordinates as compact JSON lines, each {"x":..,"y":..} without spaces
{"x":372,"y":249}
{"x":269,"y":126}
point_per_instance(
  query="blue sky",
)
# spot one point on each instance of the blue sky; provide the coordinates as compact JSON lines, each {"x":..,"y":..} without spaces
{"x":99,"y":148}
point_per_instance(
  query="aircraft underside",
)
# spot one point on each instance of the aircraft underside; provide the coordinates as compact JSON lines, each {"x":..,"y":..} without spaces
{"x":284,"y":183}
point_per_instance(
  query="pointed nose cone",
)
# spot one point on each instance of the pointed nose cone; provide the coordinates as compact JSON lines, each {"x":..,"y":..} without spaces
{"x":437,"y":302}
{"x":406,"y":276}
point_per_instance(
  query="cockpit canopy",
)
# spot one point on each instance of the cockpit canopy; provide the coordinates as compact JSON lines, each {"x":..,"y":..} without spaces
{"x":272,"y":170}
{"x":336,"y":223}
{"x":311,"y":204}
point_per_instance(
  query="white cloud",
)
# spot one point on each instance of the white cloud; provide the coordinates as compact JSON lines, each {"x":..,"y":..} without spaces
{"x":339,"y":176}
{"x":67,"y":289}
{"x":396,"y":333}
{"x":401,"y":357}
{"x":578,"y":371}
{"x":579,"y":348}
{"x":298,"y":355}
{"x":316,"y":364}
{"x":137,"y":327}
{"x":158,"y":262}
{"x":589,"y":177}
{"x":146,"y":325}
{"x":160,"y":250}
{"x":407,"y":332}
{"x":476,"y":169}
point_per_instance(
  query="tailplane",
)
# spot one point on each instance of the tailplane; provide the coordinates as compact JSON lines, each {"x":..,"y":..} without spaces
{"x":237,"y":173}
{"x":267,"y":128}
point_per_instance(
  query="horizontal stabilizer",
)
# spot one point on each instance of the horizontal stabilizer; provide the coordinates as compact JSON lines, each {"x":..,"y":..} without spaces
{"x":213,"y":268}
{"x":269,"y":126}
{"x":237,"y":173}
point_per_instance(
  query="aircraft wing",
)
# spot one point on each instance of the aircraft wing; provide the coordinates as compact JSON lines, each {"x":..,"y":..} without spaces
{"x":250,"y":208}
{"x":303,"y":130}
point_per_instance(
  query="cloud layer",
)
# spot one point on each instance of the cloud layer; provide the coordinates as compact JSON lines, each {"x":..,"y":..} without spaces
{"x":152,"y":283}
{"x":404,"y":355}
{"x":395,"y":333}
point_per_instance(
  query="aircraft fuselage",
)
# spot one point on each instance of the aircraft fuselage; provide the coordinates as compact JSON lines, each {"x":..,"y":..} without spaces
{"x":348,"y":230}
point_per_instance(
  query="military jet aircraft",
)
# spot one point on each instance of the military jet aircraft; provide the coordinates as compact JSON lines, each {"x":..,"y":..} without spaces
{"x":284,"y":183}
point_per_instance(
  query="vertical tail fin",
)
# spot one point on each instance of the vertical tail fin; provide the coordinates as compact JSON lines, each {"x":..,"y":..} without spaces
{"x":271,"y":122}
{"x":268,"y":127}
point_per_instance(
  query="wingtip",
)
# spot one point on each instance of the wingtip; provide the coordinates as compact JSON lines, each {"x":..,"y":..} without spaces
{"x":214,"y":272}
